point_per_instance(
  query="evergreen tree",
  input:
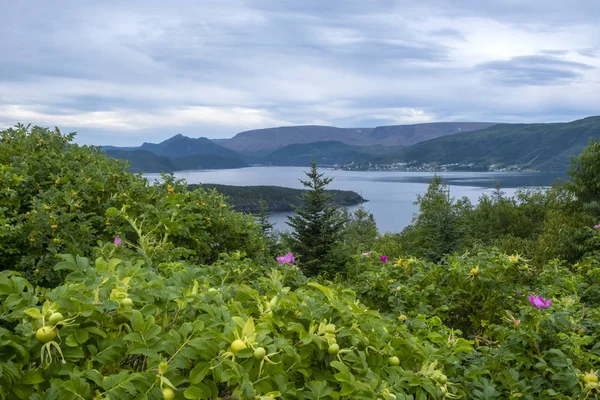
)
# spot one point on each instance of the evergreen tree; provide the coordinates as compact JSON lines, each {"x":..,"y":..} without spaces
{"x":498,"y":194}
{"x":262,"y":218}
{"x":266,"y":227}
{"x":316,"y":227}
{"x":360,"y":231}
{"x":438,"y":228}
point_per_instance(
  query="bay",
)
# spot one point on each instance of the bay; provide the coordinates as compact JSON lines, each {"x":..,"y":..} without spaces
{"x":390,"y":195}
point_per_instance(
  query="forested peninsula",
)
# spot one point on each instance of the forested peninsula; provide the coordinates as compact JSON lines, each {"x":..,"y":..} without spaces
{"x":278,"y":199}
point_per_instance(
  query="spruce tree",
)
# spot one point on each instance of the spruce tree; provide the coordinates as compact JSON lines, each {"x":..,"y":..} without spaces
{"x":316,"y":227}
{"x":262,"y":218}
{"x":266,"y":226}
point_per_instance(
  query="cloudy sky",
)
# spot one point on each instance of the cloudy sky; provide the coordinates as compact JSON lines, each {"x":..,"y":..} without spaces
{"x":124,"y":72}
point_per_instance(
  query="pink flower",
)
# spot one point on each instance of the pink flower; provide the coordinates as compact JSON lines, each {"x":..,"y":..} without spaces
{"x":383,"y":259}
{"x":117,"y":241}
{"x":539,"y":302}
{"x":597,"y":226}
{"x":366,"y":254}
{"x":287,"y":259}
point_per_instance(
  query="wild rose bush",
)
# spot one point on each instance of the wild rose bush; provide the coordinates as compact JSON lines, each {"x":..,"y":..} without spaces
{"x":233,"y":329}
{"x":59,"y":197}
{"x":534,"y":334}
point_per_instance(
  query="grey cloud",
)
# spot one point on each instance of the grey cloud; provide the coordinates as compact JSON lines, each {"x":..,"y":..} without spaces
{"x":449,"y":32}
{"x":593,"y":52}
{"x":549,"y":14}
{"x":555,"y":52}
{"x":536,"y":70}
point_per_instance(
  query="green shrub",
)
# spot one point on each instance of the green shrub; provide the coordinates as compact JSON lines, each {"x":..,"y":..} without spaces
{"x":55,"y":195}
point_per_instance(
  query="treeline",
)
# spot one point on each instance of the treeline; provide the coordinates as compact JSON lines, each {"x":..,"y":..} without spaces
{"x":555,"y":223}
{"x":277,"y":198}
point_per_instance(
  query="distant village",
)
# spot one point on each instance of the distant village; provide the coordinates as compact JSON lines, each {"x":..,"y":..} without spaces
{"x":427,"y":167}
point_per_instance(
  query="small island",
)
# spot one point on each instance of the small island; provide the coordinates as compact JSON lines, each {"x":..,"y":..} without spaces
{"x":279,"y":199}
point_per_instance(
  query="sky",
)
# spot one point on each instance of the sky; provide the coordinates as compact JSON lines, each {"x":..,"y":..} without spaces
{"x":127,"y":72}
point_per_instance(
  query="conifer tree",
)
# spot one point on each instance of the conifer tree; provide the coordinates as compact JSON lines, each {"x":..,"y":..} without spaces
{"x":437,"y":229}
{"x":262,"y":218}
{"x":316,"y":227}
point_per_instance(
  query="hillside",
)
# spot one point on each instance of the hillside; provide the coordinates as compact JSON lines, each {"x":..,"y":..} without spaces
{"x":143,"y":160}
{"x":324,"y":153}
{"x":176,"y":154}
{"x":279,"y":199}
{"x":455,"y":146}
{"x":545,"y":147}
{"x":273,"y":138}
{"x":146,"y":161}
{"x":395,"y":135}
{"x":182,"y":146}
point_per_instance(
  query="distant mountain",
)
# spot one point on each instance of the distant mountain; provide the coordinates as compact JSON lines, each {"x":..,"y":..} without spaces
{"x":182,"y":146}
{"x":274,"y":138}
{"x":142,"y":160}
{"x":176,"y":154}
{"x":407,"y":135}
{"x":457,"y":146}
{"x":323,"y":153}
{"x":397,"y":135}
{"x":546,"y":147}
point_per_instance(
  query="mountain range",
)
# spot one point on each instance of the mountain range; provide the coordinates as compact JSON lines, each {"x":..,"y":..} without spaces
{"x":434,"y":146}
{"x":396,"y":135}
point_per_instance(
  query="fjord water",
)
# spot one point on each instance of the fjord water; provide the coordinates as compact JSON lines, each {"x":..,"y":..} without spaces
{"x":390,"y":195}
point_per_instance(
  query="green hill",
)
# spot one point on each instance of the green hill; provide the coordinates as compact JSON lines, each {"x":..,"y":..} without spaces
{"x":143,"y":160}
{"x":176,"y":154}
{"x":546,"y":147}
{"x":182,"y":146}
{"x":324,"y":153}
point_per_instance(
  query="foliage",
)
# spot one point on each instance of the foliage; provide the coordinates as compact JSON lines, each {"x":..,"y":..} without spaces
{"x":584,"y":172}
{"x":266,"y":227}
{"x":438,"y":227}
{"x":360,"y":230}
{"x":161,"y":292}
{"x":262,"y":218}
{"x":180,"y":326}
{"x":56,"y":195}
{"x":521,"y":351}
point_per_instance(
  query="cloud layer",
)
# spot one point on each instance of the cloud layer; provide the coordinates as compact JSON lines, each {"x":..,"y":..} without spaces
{"x":127,"y":72}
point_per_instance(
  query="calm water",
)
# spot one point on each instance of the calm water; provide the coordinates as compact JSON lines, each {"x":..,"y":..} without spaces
{"x":391,"y":194}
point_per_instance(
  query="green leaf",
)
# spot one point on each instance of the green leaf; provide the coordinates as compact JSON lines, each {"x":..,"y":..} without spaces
{"x":137,"y":321}
{"x":71,"y":341}
{"x":32,"y":378}
{"x":34,"y":313}
{"x":197,"y":392}
{"x":82,"y":336}
{"x":248,"y":329}
{"x":319,"y":389}
{"x":198,"y":373}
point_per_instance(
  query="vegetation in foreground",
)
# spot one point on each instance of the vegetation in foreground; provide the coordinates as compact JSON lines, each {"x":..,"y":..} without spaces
{"x":112,"y":288}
